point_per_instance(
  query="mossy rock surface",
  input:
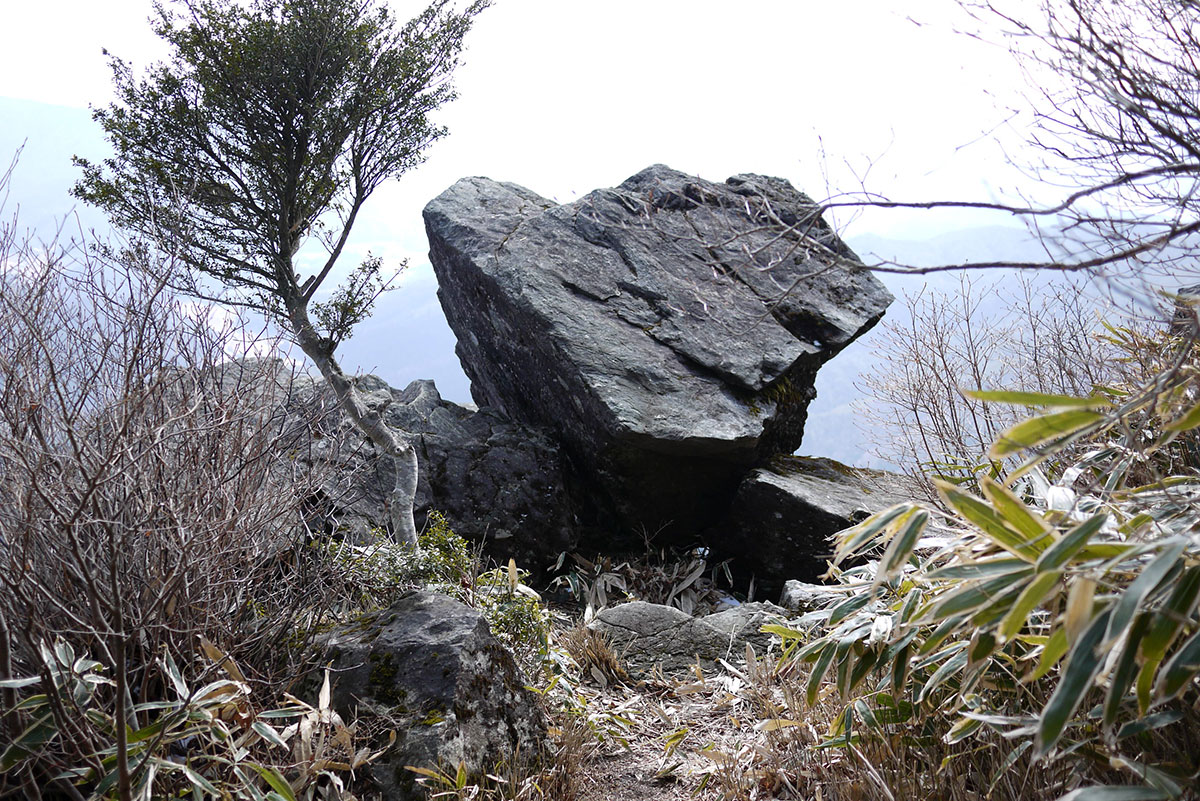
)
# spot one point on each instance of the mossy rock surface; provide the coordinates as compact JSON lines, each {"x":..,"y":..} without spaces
{"x":452,"y":691}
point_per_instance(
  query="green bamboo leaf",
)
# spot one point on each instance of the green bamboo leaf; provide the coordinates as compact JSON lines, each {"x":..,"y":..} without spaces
{"x":1135,"y":594}
{"x":1178,"y":671}
{"x":1150,"y":722}
{"x":784,"y":633}
{"x":818,"y":673}
{"x":1145,"y":682}
{"x":1105,"y":793}
{"x":982,"y":569}
{"x":1045,"y":428}
{"x":1038,"y":399}
{"x":1082,"y":666}
{"x":1126,"y":669}
{"x":273,"y":778}
{"x":175,"y":675}
{"x":16,"y":684}
{"x":938,"y":636}
{"x":961,"y":730}
{"x":1071,"y":543}
{"x":37,"y":734}
{"x":1187,"y":421}
{"x":1013,"y":510}
{"x":853,"y":538}
{"x":972,"y":597}
{"x":268,"y":733}
{"x":983,"y":644}
{"x":1178,"y":607}
{"x":146,"y":732}
{"x":1029,"y":599}
{"x":900,"y":670}
{"x":199,"y":784}
{"x":849,"y":606}
{"x":862,"y":668}
{"x":989,"y":522}
{"x":943,"y":674}
{"x":902,"y":544}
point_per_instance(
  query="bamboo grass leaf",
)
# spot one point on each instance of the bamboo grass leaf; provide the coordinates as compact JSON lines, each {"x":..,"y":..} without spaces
{"x":1072,"y":543}
{"x":992,"y":524}
{"x":1043,"y":429}
{"x":1082,"y":666}
{"x":1135,"y":594}
{"x":1029,"y":599}
{"x":1038,"y":399}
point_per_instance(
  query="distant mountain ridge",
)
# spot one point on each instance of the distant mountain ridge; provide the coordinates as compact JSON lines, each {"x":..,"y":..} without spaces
{"x":408,"y":338}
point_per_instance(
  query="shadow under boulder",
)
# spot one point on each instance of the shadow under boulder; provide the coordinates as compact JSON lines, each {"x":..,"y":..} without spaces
{"x":784,"y":516}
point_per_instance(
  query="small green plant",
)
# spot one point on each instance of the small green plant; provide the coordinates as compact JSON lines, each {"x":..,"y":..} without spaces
{"x":515,"y":613}
{"x":210,"y":741}
{"x":1055,"y":609}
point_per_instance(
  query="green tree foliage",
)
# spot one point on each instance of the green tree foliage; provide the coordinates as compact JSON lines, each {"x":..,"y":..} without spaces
{"x":271,"y":125}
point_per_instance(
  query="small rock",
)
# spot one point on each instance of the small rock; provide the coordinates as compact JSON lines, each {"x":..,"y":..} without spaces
{"x":801,"y":598}
{"x":743,"y":624}
{"x":431,"y":664}
{"x":646,"y":634}
{"x":784,"y":516}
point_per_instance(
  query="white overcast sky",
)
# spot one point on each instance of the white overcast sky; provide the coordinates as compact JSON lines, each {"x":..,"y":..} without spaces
{"x":565,"y":96}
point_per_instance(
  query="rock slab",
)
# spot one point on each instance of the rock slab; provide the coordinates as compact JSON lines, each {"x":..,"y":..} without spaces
{"x":785,"y":514}
{"x":499,"y":483}
{"x":668,"y":330}
{"x":647,"y":635}
{"x":432,"y":665}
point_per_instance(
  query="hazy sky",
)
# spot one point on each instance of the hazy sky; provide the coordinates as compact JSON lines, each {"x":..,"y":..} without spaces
{"x":565,"y":96}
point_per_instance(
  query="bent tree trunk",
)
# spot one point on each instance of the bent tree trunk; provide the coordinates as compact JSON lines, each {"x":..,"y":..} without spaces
{"x":370,"y":421}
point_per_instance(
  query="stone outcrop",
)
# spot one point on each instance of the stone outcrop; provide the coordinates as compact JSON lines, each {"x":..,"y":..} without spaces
{"x":431,"y":665}
{"x":668,"y":330}
{"x":498,"y":482}
{"x":799,"y":597}
{"x":648,"y":636}
{"x":785,"y":514}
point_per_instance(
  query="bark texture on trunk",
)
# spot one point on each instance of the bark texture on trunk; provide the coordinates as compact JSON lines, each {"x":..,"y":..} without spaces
{"x":369,"y":420}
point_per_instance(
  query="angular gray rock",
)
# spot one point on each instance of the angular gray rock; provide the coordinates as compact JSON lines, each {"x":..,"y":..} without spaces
{"x":801,"y":597}
{"x":497,"y":482}
{"x":743,"y":624}
{"x":668,"y":329}
{"x":784,"y":516}
{"x":430,"y":664}
{"x":645,"y":635}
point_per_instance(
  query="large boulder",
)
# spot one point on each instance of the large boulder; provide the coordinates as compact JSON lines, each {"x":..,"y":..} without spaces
{"x":454,"y":694}
{"x":668,"y":330}
{"x":499,"y":483}
{"x":783,"y":519}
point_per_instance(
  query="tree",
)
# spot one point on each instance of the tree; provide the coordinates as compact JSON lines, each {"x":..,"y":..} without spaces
{"x":270,"y":126}
{"x":1116,"y":117}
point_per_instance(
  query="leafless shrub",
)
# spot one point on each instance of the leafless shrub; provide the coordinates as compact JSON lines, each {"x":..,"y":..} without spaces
{"x":147,"y":500}
{"x":1036,"y":334}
